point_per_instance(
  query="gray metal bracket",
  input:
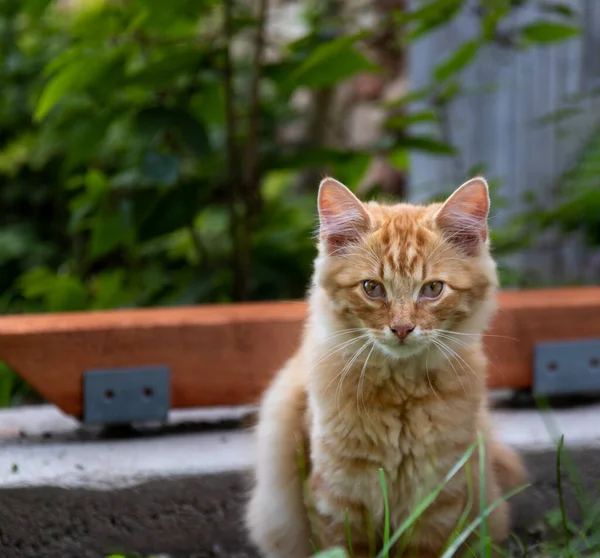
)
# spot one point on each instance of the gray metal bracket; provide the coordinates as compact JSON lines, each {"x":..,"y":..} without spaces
{"x":567,"y":367}
{"x":126,"y":395}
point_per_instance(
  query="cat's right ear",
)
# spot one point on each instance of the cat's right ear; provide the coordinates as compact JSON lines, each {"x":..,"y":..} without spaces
{"x":344,"y":219}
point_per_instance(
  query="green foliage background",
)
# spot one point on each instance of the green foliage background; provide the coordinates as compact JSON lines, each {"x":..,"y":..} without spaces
{"x":140,"y":154}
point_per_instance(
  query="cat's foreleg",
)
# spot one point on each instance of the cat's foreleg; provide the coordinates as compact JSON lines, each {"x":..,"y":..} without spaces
{"x":276,"y":515}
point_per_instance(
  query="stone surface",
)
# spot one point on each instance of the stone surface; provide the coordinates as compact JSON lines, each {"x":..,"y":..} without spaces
{"x":179,"y":490}
{"x":197,"y":515}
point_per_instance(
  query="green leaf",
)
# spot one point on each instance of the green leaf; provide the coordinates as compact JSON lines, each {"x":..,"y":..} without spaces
{"x":7,"y":384}
{"x":352,"y":168}
{"x":36,"y":8}
{"x":67,"y":293}
{"x":560,"y":8}
{"x":154,"y":120}
{"x":84,"y":139}
{"x":209,"y":105}
{"x":193,"y":135}
{"x":331,"y":63}
{"x":96,"y":183}
{"x":559,"y":115}
{"x":35,"y":283}
{"x":449,"y":90}
{"x":59,"y":292}
{"x":549,"y":32}
{"x":430,"y":15}
{"x":402,"y":121}
{"x":74,"y":76}
{"x":423,"y":143}
{"x":399,"y":159}
{"x":108,"y":233}
{"x":411,"y":96}
{"x":173,"y":62}
{"x":161,"y":169}
{"x":15,"y":242}
{"x":457,"y":60}
{"x":159,"y":215}
{"x":109,"y":290}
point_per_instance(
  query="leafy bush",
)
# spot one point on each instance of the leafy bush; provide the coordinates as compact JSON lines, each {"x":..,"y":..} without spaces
{"x":142,"y":160}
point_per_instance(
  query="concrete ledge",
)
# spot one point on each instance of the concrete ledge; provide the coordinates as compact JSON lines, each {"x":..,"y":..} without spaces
{"x":70,"y":492}
{"x":43,"y":447}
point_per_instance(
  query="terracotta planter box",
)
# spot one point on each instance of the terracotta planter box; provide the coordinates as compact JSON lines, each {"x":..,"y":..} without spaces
{"x":226,"y":354}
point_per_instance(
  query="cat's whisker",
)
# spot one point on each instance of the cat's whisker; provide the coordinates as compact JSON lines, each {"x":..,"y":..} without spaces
{"x":330,"y":353}
{"x":442,"y":348}
{"x":427,"y":373}
{"x":333,"y":350}
{"x":467,"y":343}
{"x":346,"y":370}
{"x":459,"y":357}
{"x":344,"y":332}
{"x":459,"y":342}
{"x":360,"y":389}
{"x":476,"y":334}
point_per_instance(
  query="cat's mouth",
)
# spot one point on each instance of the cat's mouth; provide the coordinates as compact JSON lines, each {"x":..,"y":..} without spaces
{"x":401,"y":349}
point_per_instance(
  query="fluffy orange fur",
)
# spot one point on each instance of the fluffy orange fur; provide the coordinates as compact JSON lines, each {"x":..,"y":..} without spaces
{"x":390,"y":374}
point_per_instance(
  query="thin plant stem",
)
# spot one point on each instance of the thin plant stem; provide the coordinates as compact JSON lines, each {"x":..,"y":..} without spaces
{"x":386,"y":525}
{"x":559,"y":484}
{"x":485,"y":547}
{"x":349,"y":535}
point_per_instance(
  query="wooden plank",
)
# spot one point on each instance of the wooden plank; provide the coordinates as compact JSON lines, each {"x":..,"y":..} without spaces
{"x":528,"y":317}
{"x":219,"y":355}
{"x":225,"y":355}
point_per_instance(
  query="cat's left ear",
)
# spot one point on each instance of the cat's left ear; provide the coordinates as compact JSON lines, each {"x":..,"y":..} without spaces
{"x":343,"y":217}
{"x":463,"y":217}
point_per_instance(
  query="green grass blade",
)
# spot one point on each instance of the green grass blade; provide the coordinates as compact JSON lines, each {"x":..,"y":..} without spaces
{"x":386,"y":524}
{"x":451,"y":550}
{"x":426,"y":502}
{"x":485,"y":547}
{"x":332,"y":553}
{"x":462,"y":522}
{"x":561,"y":499}
{"x":370,"y":534}
{"x":583,"y":500}
{"x":349,"y":535}
{"x":315,"y":541}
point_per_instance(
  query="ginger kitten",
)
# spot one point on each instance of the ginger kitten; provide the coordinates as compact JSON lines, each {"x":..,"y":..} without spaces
{"x":390,"y":374}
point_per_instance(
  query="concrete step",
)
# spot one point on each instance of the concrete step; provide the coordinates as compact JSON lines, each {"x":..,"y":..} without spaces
{"x":178,"y":488}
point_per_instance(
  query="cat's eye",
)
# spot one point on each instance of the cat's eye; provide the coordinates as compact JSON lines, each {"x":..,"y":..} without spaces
{"x":432,"y":290}
{"x":373,"y":289}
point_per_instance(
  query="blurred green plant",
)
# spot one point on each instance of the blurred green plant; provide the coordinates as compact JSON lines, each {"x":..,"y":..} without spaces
{"x":142,"y":160}
{"x":579,"y":209}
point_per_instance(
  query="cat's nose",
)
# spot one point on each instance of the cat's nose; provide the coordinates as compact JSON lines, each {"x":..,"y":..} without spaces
{"x":402,"y":330}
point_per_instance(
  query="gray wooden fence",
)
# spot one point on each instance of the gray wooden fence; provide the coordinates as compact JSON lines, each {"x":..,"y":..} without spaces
{"x":499,"y":123}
